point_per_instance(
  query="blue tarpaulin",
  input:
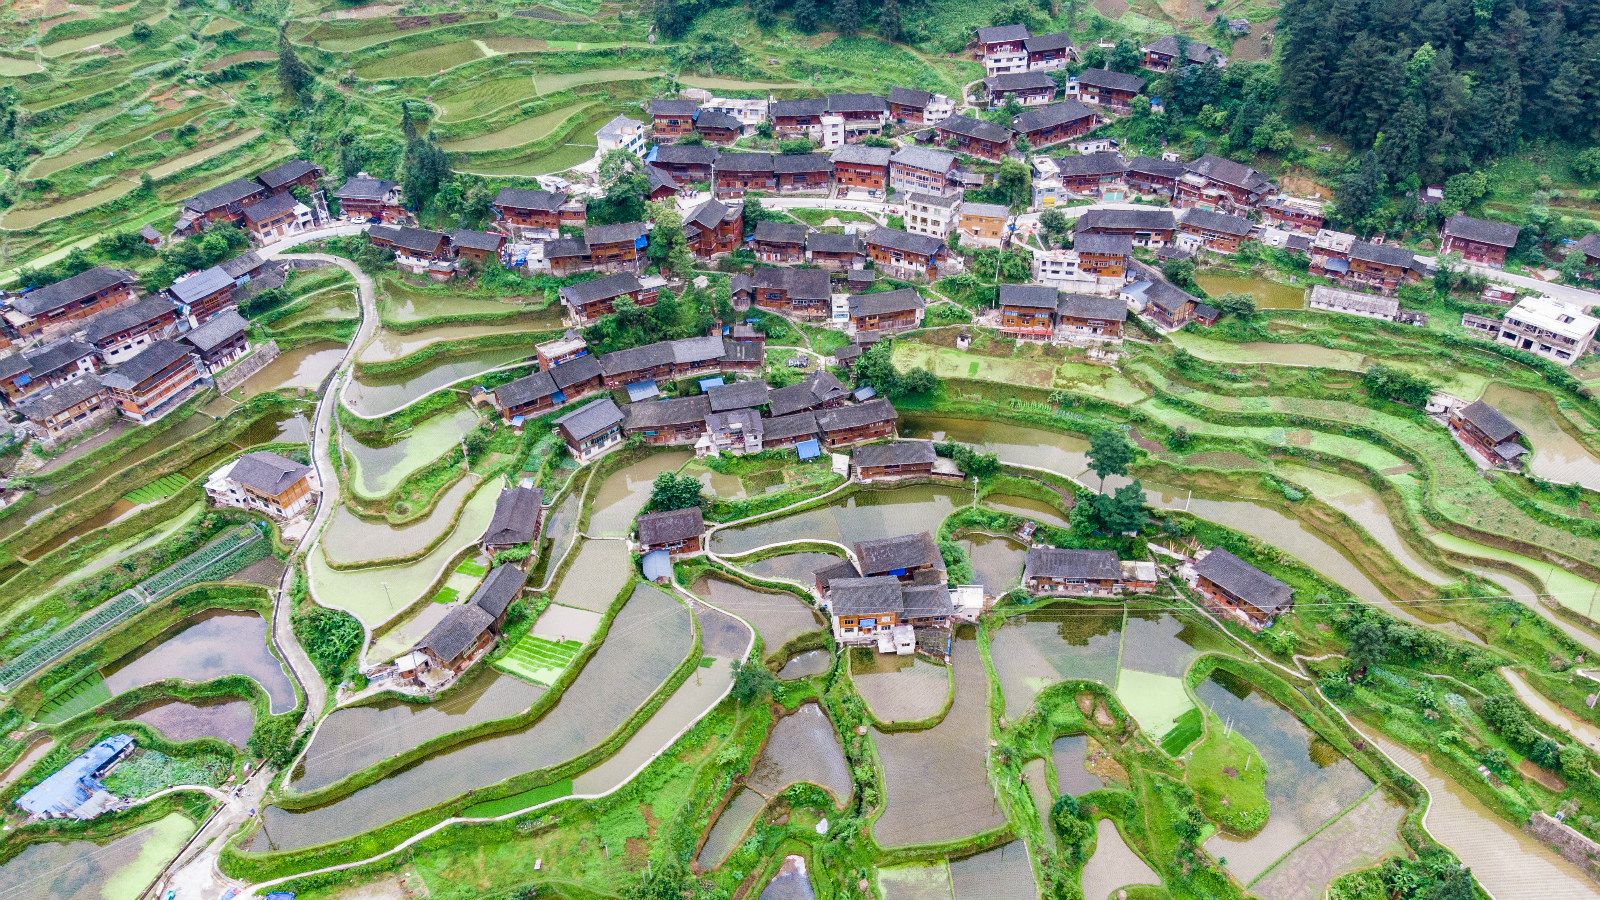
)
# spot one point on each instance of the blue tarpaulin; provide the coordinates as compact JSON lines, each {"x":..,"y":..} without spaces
{"x":657,"y":565}
{"x":707,"y":384}
{"x":809,"y":449}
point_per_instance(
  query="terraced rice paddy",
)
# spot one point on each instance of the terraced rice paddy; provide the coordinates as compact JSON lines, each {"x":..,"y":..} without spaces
{"x":730,"y":827}
{"x":902,"y":689}
{"x":206,"y":647}
{"x":1114,"y":865}
{"x":378,"y":395}
{"x":1061,"y":642}
{"x":74,"y":870}
{"x":87,"y":150}
{"x":649,"y":638}
{"x":599,"y":571}
{"x":202,"y":154}
{"x":375,"y":471}
{"x":426,"y":61}
{"x":160,"y":489}
{"x":797,"y":567}
{"x":550,"y":84}
{"x":863,"y":515}
{"x":179,"y":720}
{"x":349,"y":540}
{"x":524,"y":132}
{"x":1069,"y":755}
{"x":539,"y":660}
{"x":778,"y":618}
{"x":485,"y":96}
{"x":624,"y":493}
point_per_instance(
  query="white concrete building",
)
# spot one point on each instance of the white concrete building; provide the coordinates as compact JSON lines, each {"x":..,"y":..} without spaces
{"x":932,"y":215}
{"x":1047,"y":190}
{"x":750,"y":113}
{"x":1546,"y":328}
{"x":1353,"y":303}
{"x":621,"y":133}
{"x":1059,"y":269}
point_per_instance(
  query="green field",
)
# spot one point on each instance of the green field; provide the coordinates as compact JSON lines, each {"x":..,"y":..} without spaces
{"x":491,"y":808}
{"x":468,"y":567}
{"x":1185,"y":729}
{"x":538,"y":659}
{"x":81,"y":697}
{"x":160,"y":489}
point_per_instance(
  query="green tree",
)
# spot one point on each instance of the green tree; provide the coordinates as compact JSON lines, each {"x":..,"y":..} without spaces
{"x":293,"y":75}
{"x":919,"y":381}
{"x":668,"y":246}
{"x":1366,"y":644}
{"x":1123,"y":510}
{"x":876,"y":368}
{"x":1398,"y":385}
{"x":805,"y":16}
{"x":1180,"y":272}
{"x":890,"y":27}
{"x":846,"y":17}
{"x":1242,"y":306}
{"x":765,"y":12}
{"x":1015,"y":183}
{"x":1587,"y":165}
{"x":1110,"y":453}
{"x":751,"y":681}
{"x":1574,"y":763}
{"x":673,"y":491}
{"x":1055,"y":225}
{"x":141,"y":31}
{"x":1125,"y":56}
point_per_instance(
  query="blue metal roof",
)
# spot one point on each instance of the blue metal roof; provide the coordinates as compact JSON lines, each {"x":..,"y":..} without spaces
{"x":865,"y":393}
{"x":809,"y":449}
{"x":707,"y":384}
{"x":643,"y":390}
{"x":75,"y":783}
{"x":657,"y":565}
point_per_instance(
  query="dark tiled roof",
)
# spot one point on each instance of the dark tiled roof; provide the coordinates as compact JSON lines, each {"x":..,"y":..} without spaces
{"x":865,"y":596}
{"x":823,"y":242}
{"x":498,"y":590}
{"x":405,"y":237}
{"x":1148,"y":165}
{"x":201,"y":285}
{"x":923,"y":158}
{"x":1245,"y":581}
{"x":280,"y":175}
{"x":919,"y":601}
{"x":1019,"y":81}
{"x":1137,"y":219}
{"x":525,"y":390}
{"x":843,"y":103}
{"x":905,"y":242}
{"x":1113,"y":81}
{"x":975,"y":128}
{"x":365,"y":189}
{"x":797,"y":426}
{"x":1050,"y":562}
{"x":115,"y":321}
{"x":906,"y":551}
{"x":744,"y":162}
{"x":565,"y":248}
{"x":658,"y":178}
{"x":574,"y":372}
{"x":691,"y":351}
{"x":907,"y":97}
{"x":1230,"y":173}
{"x":84,"y":284}
{"x":1091,"y":164}
{"x":801,"y":284}
{"x":62,"y":398}
{"x":861,"y":154}
{"x":1029,"y":296}
{"x":1038,"y":117}
{"x":868,"y":413}
{"x":996,"y":34}
{"x":900,"y":300}
{"x":224,"y":194}
{"x":671,"y":526}
{"x":150,"y":361}
{"x":738,"y":395}
{"x":222,"y":328}
{"x":270,"y":208}
{"x":248,"y":261}
{"x":674,"y":107}
{"x":711,"y":118}
{"x":590,"y":419}
{"x":477,"y":240}
{"x":586,"y":292}
{"x":53,"y":356}
{"x":898,"y":453}
{"x":801,"y":163}
{"x":1498,"y":234}
{"x":637,"y":359}
{"x":1210,"y":220}
{"x":1088,"y":306}
{"x":1385,"y":254}
{"x":267,"y":472}
{"x":805,"y":106}
{"x":1103,"y":244}
{"x":1168,"y":296}
{"x":516,"y":516}
{"x":1042,"y":43}
{"x":686,"y":154}
{"x":844,"y":568}
{"x":457,"y":631}
{"x":663,"y":413}
{"x":520,"y":198}
{"x":708,"y":215}
{"x":613,"y":234}
{"x":1489,"y":420}
{"x":1198,"y":53}
{"x":780,"y":233}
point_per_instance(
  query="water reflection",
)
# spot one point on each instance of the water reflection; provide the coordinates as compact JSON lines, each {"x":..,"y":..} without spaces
{"x":1060,"y":642}
{"x":74,"y":870}
{"x":863,"y":515}
{"x":180,"y":720}
{"x":205,"y":647}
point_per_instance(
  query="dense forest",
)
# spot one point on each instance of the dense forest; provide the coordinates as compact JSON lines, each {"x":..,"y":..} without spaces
{"x":1435,"y":86}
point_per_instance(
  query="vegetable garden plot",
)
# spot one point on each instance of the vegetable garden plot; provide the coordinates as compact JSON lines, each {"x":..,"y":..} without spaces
{"x":538,"y":659}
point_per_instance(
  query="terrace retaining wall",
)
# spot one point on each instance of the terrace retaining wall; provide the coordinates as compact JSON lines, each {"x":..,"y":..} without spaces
{"x":234,"y":375}
{"x":1574,"y":847}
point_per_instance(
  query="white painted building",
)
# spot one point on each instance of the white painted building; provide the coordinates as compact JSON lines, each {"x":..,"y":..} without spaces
{"x":750,"y":113}
{"x":621,"y":133}
{"x":1546,"y":328}
{"x":931,"y":214}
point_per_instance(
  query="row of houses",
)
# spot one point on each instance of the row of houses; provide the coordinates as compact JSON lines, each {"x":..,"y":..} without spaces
{"x":854,"y":168}
{"x":1014,"y":48}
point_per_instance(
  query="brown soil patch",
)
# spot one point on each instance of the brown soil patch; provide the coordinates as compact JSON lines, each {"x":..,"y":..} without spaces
{"x":377,"y":10}
{"x":1542,"y":775}
{"x":161,"y":137}
{"x":821,"y":39}
{"x":1300,"y":185}
{"x":1102,"y":717}
{"x":1300,"y":438}
{"x":1396,"y":470}
{"x":1111,"y":9}
{"x":650,"y":820}
{"x":1086,"y":704}
{"x":1101,"y":763}
{"x":1231,"y":772}
{"x":638,"y":849}
{"x":1144,"y":443}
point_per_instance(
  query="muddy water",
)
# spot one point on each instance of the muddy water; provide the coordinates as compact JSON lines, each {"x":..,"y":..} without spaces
{"x":1361,"y":503}
{"x":350,"y":540}
{"x":791,"y":882}
{"x":779,"y":618}
{"x":1070,"y":755}
{"x":861,"y":516}
{"x":1268,"y":294}
{"x":936,"y":786}
{"x":1360,"y":838}
{"x":798,"y":567}
{"x":1012,"y":443}
{"x":180,"y":720}
{"x":79,"y":870}
{"x":902,"y":688}
{"x":204,"y":647}
{"x":376,"y":395}
{"x":648,"y":639}
{"x":1552,"y":712}
{"x":355,"y":737}
{"x":996,"y":561}
{"x":1037,"y":510}
{"x":803,"y":747}
{"x":1002,"y":872}
{"x":730,"y":828}
{"x":24,"y":762}
{"x":807,"y":664}
{"x":407,"y":305}
{"x":376,"y":470}
{"x":1509,"y":863}
{"x":1165,"y":643}
{"x":334,"y":306}
{"x":1113,"y":865}
{"x":1308,"y":781}
{"x":1557,"y":455}
{"x":304,"y":368}
{"x":561,"y":527}
{"x":1060,"y":642}
{"x":597,"y":574}
{"x":626,"y":491}
{"x":393,"y":345}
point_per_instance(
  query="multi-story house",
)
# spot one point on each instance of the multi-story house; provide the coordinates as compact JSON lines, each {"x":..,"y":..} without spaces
{"x":1478,"y":241}
{"x":802,"y":172}
{"x":920,"y":169}
{"x":913,"y":257}
{"x":1212,"y":182}
{"x":985,"y":140}
{"x":1027,"y":88}
{"x":1546,"y":328}
{"x":1163,"y":55}
{"x":1103,"y":254}
{"x":1048,"y":52}
{"x":365,"y":197}
{"x":716,"y":127}
{"x":591,"y":429}
{"x":589,"y":300}
{"x":153,"y":382}
{"x":529,"y":214}
{"x":621,"y":133}
{"x":1159,"y":177}
{"x":1102,"y":176}
{"x":982,"y":224}
{"x":1003,"y":48}
{"x":867,"y":421}
{"x":1047,"y":125}
{"x":794,"y":292}
{"x":886,"y":312}
{"x":38,"y":369}
{"x":223,"y":203}
{"x":686,"y":163}
{"x":69,"y":409}
{"x":908,"y":106}
{"x":276,"y":217}
{"x":204,"y":294}
{"x":55,"y":309}
{"x":860,"y":168}
{"x":1090,"y":316}
{"x":736,"y":173}
{"x":835,"y":252}
{"x":120,"y":333}
{"x":672,"y":119}
{"x":1028,"y":310}
{"x":295,"y":173}
{"x":932,"y":214}
{"x":1293,"y":214}
{"x":714,"y":228}
{"x":1105,"y":88}
{"x":780,"y":242}
{"x":1215,"y":231}
{"x":1152,"y":228}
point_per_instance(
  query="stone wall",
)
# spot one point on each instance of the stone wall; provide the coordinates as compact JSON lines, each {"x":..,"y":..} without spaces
{"x":1576,"y":848}
{"x":234,"y":375}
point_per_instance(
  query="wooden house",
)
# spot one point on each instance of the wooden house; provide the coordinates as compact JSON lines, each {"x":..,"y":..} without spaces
{"x":203,"y":294}
{"x":482,"y":247}
{"x":976,"y":137}
{"x":591,"y":429}
{"x":221,"y":341}
{"x":1103,"y":255}
{"x":1148,"y":175}
{"x":1234,"y":587}
{"x":265,"y":482}
{"x":797,"y":292}
{"x":914,"y":257}
{"x":1293,"y":214}
{"x":714,"y":229}
{"x":1152,"y":228}
{"x":1093,"y":174}
{"x":780,"y":242}
{"x":280,"y":179}
{"x":1048,"y":52}
{"x":1215,"y":231}
{"x":672,"y":119}
{"x":1168,"y":305}
{"x":534,"y":394}
{"x":717,"y":127}
{"x":223,"y":203}
{"x":860,"y":168}
{"x":686,"y":163}
{"x":834,"y":252}
{"x":41,"y":368}
{"x":1044,"y":126}
{"x":68,"y":409}
{"x":589,"y":300}
{"x":1103,"y":87}
{"x":906,"y":557}
{"x":887,"y":311}
{"x":819,"y":390}
{"x":120,"y":333}
{"x":1090,"y":316}
{"x":1212,"y":182}
{"x":802,"y":172}
{"x":667,"y":422}
{"x":516,"y":519}
{"x":1028,"y":310}
{"x":1486,"y":430}
{"x":779,"y":432}
{"x":897,"y":459}
{"x":275,"y":218}
{"x":529,"y":213}
{"x":1027,"y":88}
{"x":922,"y":170}
{"x":616,"y":248}
{"x":1003,"y":48}
{"x":867,"y":421}
{"x":735,"y":173}
{"x":677,"y":531}
{"x":366,"y":198}
{"x":1163,"y":55}
{"x":154,"y":381}
{"x":1051,"y":571}
{"x":55,"y":309}
{"x":1478,"y":241}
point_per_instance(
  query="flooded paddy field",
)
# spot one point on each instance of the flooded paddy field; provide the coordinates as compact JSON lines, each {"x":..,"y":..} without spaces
{"x":901,"y":688}
{"x":203,"y":648}
{"x":181,"y":720}
{"x":1059,"y":642}
{"x":624,"y":493}
{"x":78,"y":870}
{"x":797,"y":567}
{"x":378,"y":469}
{"x":1114,"y":865}
{"x":376,"y":395}
{"x":778,"y":618}
{"x":862,"y":516}
{"x":598,"y":572}
{"x":805,"y":665}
